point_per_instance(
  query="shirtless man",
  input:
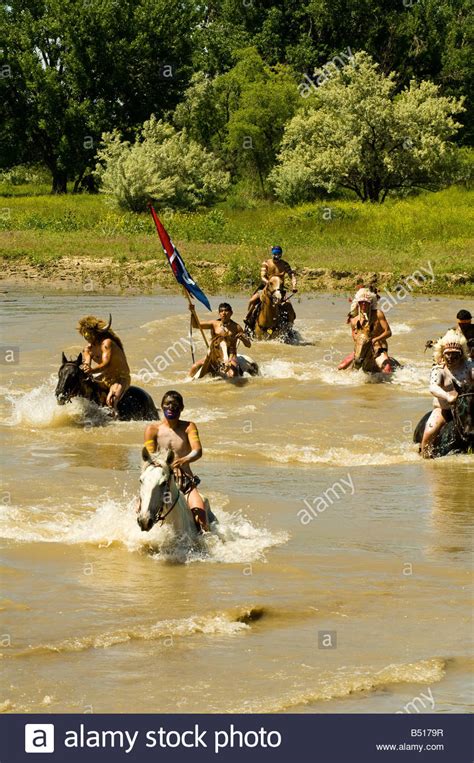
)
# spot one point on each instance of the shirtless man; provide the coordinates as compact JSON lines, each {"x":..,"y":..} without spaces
{"x":364,"y":310}
{"x":105,"y":350}
{"x":466,"y":328}
{"x":183,"y":439}
{"x":451,"y":362}
{"x":229,"y":330}
{"x":274,"y":266}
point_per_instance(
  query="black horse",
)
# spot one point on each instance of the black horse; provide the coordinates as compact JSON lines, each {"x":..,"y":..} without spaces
{"x":135,"y":405}
{"x":457,"y":435}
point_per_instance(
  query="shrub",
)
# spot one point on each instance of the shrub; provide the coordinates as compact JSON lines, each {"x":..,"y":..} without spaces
{"x":162,"y":165}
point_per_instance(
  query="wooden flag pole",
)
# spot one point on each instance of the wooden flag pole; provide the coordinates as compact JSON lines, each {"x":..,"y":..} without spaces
{"x":195,"y":316}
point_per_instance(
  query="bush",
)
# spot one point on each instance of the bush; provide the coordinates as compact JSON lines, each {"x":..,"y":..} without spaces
{"x":163,"y":165}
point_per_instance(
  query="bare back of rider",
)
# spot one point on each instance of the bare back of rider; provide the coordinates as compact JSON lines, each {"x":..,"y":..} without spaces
{"x":105,"y":361}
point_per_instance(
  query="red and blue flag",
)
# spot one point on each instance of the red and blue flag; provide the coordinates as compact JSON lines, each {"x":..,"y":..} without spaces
{"x":177,"y":265}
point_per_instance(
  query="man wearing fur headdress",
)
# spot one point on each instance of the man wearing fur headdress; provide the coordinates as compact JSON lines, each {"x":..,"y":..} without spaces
{"x":364,"y":311}
{"x":104,"y":358}
{"x":451,"y":362}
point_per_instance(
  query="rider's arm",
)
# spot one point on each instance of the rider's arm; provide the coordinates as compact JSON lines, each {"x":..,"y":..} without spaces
{"x":264,"y":272}
{"x":150,"y":442}
{"x":195,"y":443}
{"x":106,"y":355}
{"x":387,"y":331}
{"x":436,"y":380}
{"x":292,"y":274}
{"x":243,"y":336}
{"x":196,"y":323}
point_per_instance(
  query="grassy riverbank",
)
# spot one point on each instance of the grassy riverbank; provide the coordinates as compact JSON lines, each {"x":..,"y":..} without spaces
{"x":80,"y":239}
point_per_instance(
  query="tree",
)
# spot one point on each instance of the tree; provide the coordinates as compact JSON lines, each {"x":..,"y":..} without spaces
{"x":419,"y":39}
{"x":163,"y":165}
{"x":241,"y":114}
{"x":361,"y":135}
{"x":77,"y":68}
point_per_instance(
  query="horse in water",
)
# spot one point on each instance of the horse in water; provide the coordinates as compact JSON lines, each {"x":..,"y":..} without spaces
{"x":135,"y":405}
{"x":275,"y":318}
{"x":161,"y":499}
{"x":457,"y":435}
{"x":216,"y":362}
{"x":364,"y":354}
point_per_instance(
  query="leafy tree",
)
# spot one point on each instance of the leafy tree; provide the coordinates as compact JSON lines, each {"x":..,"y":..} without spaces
{"x":241,"y":114}
{"x":77,"y":68}
{"x":163,"y":165}
{"x":421,"y":39}
{"x":361,"y":135}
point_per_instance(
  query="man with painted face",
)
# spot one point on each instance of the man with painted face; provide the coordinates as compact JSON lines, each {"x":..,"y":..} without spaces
{"x":274,"y":266}
{"x":451,"y":363}
{"x":228,"y":331}
{"x":182,"y":437}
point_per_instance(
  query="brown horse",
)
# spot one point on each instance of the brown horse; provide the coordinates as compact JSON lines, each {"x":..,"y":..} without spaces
{"x":216,"y":362}
{"x":276,"y":316}
{"x":364,"y":353}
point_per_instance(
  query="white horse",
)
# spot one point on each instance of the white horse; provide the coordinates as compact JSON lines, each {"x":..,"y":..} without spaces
{"x":161,"y":500}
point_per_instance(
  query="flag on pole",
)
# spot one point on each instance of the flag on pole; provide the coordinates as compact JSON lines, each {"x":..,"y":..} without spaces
{"x":177,"y":265}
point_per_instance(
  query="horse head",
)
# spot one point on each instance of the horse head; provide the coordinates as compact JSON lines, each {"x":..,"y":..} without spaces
{"x":157,"y":488}
{"x":273,"y":291}
{"x":463,"y":410}
{"x":70,"y":376}
{"x":362,"y":345}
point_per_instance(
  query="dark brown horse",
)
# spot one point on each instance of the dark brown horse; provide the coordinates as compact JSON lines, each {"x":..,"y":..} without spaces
{"x":135,"y":405}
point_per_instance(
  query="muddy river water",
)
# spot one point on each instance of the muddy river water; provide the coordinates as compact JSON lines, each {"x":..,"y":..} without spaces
{"x":338,"y":580}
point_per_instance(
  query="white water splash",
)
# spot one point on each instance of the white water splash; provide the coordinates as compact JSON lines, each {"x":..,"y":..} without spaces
{"x":234,"y":539}
{"x":39,"y":408}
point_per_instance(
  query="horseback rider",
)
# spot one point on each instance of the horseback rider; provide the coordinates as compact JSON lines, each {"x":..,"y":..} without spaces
{"x":182,"y":437}
{"x":274,"y":266}
{"x":104,"y":359}
{"x":364,"y":312}
{"x":224,"y":329}
{"x":466,"y":328}
{"x":451,"y":363}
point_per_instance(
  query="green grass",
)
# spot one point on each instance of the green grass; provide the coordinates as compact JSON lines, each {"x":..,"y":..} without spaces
{"x":396,"y":237}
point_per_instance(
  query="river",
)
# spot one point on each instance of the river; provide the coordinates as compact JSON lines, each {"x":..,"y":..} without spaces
{"x":338,"y":579}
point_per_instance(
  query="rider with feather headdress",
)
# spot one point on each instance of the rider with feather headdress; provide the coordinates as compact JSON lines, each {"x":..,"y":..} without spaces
{"x":451,"y":365}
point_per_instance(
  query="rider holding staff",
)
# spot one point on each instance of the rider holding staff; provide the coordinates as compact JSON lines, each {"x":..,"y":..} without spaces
{"x":182,"y":437}
{"x":274,"y":266}
{"x":364,"y":312}
{"x":105,"y":350}
{"x":225,"y":330}
{"x":451,"y":363}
